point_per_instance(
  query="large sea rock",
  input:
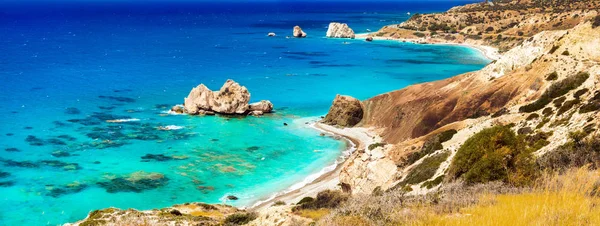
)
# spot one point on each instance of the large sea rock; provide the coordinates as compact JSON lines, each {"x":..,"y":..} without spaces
{"x":298,"y":32}
{"x":345,"y":111}
{"x":339,"y":30}
{"x":231,"y":99}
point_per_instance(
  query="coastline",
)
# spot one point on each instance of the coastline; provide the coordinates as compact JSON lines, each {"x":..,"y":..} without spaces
{"x":489,"y":52}
{"x":357,"y":137}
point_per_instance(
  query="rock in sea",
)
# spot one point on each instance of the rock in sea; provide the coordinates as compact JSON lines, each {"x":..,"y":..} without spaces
{"x":231,"y":99}
{"x":345,"y":111}
{"x":271,"y":34}
{"x":339,"y":30}
{"x":369,"y":39}
{"x":299,"y":33}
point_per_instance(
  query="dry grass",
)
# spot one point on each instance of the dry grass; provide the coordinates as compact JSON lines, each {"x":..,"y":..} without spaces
{"x":313,"y":214}
{"x":568,"y":199}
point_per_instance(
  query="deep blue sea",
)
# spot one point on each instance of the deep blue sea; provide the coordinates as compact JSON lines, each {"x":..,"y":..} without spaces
{"x":68,"y":68}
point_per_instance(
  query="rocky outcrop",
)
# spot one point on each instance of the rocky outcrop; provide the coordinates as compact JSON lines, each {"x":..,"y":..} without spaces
{"x":232,"y":98}
{"x":339,"y":30}
{"x":298,"y":32}
{"x":369,"y":39}
{"x":264,"y":106}
{"x":271,"y":34}
{"x":345,"y":111}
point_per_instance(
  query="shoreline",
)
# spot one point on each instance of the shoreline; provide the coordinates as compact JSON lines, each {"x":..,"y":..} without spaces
{"x":488,"y":52}
{"x":327,"y":180}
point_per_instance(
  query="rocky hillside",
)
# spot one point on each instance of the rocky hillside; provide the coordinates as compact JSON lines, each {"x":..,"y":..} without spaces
{"x":544,"y":89}
{"x":502,"y":24}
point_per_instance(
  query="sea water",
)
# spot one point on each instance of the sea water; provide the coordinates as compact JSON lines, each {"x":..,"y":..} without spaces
{"x":68,"y":68}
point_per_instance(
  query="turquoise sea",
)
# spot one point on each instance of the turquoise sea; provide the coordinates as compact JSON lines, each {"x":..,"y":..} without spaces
{"x":68,"y":67}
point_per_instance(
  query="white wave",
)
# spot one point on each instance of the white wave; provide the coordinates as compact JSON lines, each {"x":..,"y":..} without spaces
{"x":123,"y":120}
{"x":170,"y":127}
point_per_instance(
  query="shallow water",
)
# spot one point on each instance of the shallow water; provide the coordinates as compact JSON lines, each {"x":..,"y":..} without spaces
{"x":67,"y":68}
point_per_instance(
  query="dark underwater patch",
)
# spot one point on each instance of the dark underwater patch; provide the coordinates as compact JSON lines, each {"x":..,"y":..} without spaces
{"x":157,"y":158}
{"x":34,"y":141}
{"x":61,"y":154}
{"x":122,"y":90}
{"x":61,"y":164}
{"x":12,"y":150}
{"x":332,"y":65}
{"x":118,"y":99}
{"x":318,"y":75}
{"x":108,"y":108}
{"x":136,"y":185}
{"x":10,"y":134}
{"x":72,"y":111}
{"x":65,"y":190}
{"x":4,"y":174}
{"x":66,"y":137}
{"x":252,"y":148}
{"x":5,"y":184}
{"x":21,"y":164}
{"x":28,"y":127}
{"x":59,"y":124}
{"x":413,"y":61}
{"x":307,"y":54}
{"x":55,"y":141}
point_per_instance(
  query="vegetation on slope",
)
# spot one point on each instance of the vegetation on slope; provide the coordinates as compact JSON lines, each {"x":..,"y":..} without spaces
{"x":556,"y":90}
{"x":494,"y":154}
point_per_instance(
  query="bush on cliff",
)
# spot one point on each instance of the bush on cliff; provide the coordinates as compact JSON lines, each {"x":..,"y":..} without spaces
{"x":426,"y":170}
{"x":596,"y":22}
{"x":325,"y":199}
{"x":556,"y":90}
{"x":494,"y":154}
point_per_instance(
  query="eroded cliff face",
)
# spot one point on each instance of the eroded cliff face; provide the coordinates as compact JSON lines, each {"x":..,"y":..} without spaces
{"x":468,"y":103}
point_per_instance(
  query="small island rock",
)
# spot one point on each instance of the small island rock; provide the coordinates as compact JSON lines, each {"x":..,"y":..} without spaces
{"x":271,"y":34}
{"x":298,"y":32}
{"x":231,"y":99}
{"x":369,"y":39}
{"x":339,"y":30}
{"x":345,"y":111}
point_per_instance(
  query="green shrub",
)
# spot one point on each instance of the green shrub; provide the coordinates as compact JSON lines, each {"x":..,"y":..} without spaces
{"x":596,"y":21}
{"x":554,"y":48}
{"x":500,"y":112}
{"x":547,"y":111}
{"x":559,"y":101}
{"x":567,"y":106}
{"x":432,"y":183}
{"x":305,"y":200}
{"x":552,"y":76}
{"x":565,"y":53}
{"x":576,"y":153}
{"x":556,"y":90}
{"x":325,"y":199}
{"x":532,"y":117}
{"x":419,"y":34}
{"x":494,"y":154}
{"x":240,"y":218}
{"x":279,"y":203}
{"x":431,"y":145}
{"x":580,"y":93}
{"x":376,"y":145}
{"x":426,"y":169}
{"x":592,"y":105}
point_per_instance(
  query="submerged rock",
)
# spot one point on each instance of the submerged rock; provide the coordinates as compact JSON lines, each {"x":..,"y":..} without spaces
{"x":135,"y":182}
{"x":345,"y":111}
{"x":231,"y":99}
{"x":339,"y":30}
{"x":298,"y":32}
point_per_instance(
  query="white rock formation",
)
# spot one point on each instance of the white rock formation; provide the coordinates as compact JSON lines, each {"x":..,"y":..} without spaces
{"x":232,"y":98}
{"x":298,"y":32}
{"x":339,"y":30}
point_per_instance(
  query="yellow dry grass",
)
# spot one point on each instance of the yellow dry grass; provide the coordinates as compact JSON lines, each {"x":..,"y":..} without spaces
{"x":568,"y":199}
{"x":313,"y":214}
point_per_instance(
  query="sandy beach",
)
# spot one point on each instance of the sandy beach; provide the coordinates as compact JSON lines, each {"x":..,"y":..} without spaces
{"x":358,"y":137}
{"x":488,"y":51}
